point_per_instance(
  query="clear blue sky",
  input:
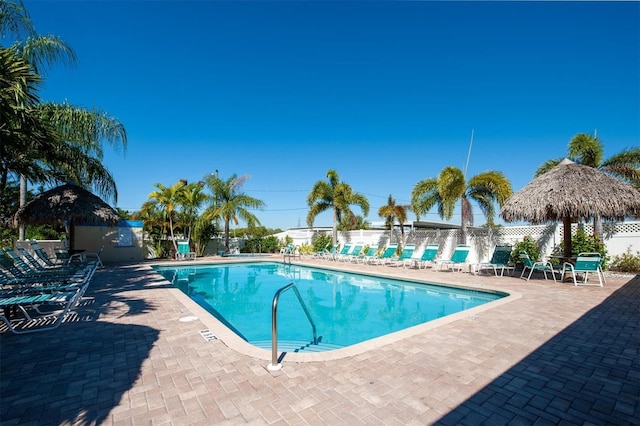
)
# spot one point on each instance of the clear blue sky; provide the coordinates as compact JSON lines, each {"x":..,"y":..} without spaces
{"x":386,"y":93}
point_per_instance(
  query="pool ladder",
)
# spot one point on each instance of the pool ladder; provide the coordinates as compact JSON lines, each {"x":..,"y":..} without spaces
{"x":275,"y":365}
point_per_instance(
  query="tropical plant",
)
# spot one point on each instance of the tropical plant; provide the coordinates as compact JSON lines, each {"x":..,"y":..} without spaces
{"x":450,"y":187}
{"x":351,"y":222}
{"x":337,"y":196}
{"x":229,"y":203}
{"x":270,"y":244}
{"x":306,"y":249}
{"x":46,"y":142}
{"x":165,"y":200}
{"x":320,"y":241}
{"x":190,"y":199}
{"x":588,"y":150}
{"x":124,"y":214}
{"x":393,"y":212}
{"x":257,"y":231}
{"x":581,"y":242}
{"x":626,"y":262}
{"x":82,"y":132}
{"x":528,"y":245}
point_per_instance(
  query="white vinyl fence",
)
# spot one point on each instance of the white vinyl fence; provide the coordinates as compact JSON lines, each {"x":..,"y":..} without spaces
{"x":618,"y":237}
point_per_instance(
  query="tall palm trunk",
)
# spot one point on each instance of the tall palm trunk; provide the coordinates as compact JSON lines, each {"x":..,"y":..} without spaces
{"x":173,"y":238}
{"x":226,"y":236}
{"x":463,"y":233}
{"x":23,"y":201}
{"x":335,"y":226}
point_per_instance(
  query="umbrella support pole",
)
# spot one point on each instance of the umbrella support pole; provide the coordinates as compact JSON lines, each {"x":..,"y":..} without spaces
{"x":566,"y":224}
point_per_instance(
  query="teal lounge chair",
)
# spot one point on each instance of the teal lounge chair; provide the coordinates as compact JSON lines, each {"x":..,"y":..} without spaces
{"x":585,"y":263}
{"x":370,"y":256}
{"x":330,"y":253}
{"x":184,"y":251}
{"x":458,"y":258}
{"x":18,"y":268}
{"x":353,"y":254}
{"x":387,"y":254}
{"x":322,"y":252}
{"x":532,"y":266}
{"x":428,"y":256}
{"x":95,"y":257}
{"x":406,"y":254}
{"x":345,"y":250}
{"x":33,"y":302}
{"x":44,"y":257}
{"x":499,"y":260}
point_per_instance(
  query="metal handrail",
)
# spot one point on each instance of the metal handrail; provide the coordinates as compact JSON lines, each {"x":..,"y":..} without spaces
{"x":275,"y":365}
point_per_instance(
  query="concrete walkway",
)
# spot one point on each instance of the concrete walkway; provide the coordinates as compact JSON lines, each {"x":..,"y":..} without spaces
{"x":557,"y":354}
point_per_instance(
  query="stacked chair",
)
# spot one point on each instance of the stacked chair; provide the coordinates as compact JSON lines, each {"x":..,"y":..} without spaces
{"x":36,"y":296}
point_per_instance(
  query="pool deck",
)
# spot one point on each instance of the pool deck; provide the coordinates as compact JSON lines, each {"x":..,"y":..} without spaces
{"x":133,"y":353}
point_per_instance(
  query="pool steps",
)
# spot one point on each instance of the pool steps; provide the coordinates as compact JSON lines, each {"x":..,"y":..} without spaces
{"x":296,"y":346}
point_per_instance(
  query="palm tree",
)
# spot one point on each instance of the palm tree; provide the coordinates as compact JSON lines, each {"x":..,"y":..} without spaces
{"x":191,"y":199}
{"x":85,"y":130}
{"x":166,"y":199}
{"x":450,"y":186}
{"x":349,"y":223}
{"x":335,"y":195}
{"x":72,"y":136}
{"x":392,"y":212}
{"x":230,"y":203}
{"x":588,"y":150}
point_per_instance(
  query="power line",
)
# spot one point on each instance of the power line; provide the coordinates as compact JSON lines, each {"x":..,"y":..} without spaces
{"x":277,"y":190}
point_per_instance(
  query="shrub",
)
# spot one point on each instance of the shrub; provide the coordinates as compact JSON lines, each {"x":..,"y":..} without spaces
{"x":626,"y":262}
{"x":528,"y":245}
{"x":320,"y":241}
{"x":306,"y":249}
{"x":581,"y":242}
{"x":270,"y":244}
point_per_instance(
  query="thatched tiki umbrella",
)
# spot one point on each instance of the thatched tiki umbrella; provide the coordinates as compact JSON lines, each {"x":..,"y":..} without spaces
{"x":66,"y":203}
{"x":569,"y":191}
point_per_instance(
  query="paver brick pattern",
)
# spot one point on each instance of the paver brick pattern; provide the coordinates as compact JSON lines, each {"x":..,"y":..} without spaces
{"x":557,"y":355}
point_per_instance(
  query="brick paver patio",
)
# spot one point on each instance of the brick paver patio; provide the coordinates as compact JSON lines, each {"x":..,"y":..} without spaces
{"x":555,"y":354}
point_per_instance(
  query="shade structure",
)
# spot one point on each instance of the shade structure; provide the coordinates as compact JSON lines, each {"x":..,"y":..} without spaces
{"x":68,"y":203}
{"x":570,"y":191}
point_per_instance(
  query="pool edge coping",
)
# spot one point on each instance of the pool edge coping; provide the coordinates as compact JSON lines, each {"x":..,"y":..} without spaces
{"x":235,"y":342}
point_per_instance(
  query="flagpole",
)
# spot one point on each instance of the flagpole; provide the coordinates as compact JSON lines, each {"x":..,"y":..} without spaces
{"x":468,"y":155}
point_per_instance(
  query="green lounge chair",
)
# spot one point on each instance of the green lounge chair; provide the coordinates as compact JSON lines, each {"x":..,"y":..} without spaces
{"x":184,"y":251}
{"x":330,"y":253}
{"x":45,"y":320}
{"x":44,"y":257}
{"x":345,"y":250}
{"x":321,"y":253}
{"x":532,"y":266}
{"x":499,"y":260}
{"x":458,"y":258}
{"x":370,"y":255}
{"x":353,"y":254}
{"x":19,"y":271}
{"x":428,"y":256}
{"x":387,"y":254}
{"x":406,"y":254}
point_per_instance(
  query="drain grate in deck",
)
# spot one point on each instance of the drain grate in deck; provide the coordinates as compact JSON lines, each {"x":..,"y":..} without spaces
{"x":208,"y":335}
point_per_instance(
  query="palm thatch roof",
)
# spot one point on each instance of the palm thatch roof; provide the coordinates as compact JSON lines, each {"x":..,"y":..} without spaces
{"x":572,"y":190}
{"x":66,"y":203}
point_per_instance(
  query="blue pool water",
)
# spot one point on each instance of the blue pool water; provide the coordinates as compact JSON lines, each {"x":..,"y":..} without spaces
{"x":346,"y":308}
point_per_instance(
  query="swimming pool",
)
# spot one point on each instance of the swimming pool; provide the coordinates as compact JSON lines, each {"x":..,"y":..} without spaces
{"x":347,"y":308}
